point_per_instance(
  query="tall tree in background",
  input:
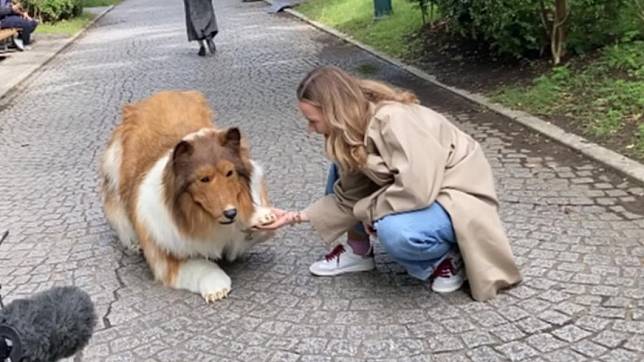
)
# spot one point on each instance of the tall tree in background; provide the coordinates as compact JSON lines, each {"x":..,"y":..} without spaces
{"x":554,"y":21}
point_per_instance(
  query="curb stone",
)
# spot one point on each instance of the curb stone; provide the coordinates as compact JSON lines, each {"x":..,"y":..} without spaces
{"x":612,"y":159}
{"x":41,"y":61}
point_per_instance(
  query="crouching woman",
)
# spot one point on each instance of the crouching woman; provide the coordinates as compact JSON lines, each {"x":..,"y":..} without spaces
{"x":406,"y":175}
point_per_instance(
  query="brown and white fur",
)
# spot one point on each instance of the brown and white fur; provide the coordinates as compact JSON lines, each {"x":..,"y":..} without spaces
{"x":183,"y":191}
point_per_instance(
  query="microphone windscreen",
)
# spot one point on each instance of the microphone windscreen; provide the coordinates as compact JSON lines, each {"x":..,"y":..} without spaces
{"x":53,"y":324}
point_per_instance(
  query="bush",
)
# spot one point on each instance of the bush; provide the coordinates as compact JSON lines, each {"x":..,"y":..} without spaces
{"x":507,"y":26}
{"x":54,"y":10}
{"x":522,"y":27}
{"x":594,"y":23}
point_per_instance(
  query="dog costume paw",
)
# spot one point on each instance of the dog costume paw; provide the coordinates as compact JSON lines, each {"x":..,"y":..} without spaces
{"x":217,"y":295}
{"x":215,"y":286}
{"x":263,"y":216}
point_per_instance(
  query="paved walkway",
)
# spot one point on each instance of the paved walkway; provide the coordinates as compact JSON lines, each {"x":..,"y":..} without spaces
{"x":577,"y":229}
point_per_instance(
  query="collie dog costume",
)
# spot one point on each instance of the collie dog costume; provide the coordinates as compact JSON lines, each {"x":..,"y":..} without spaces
{"x":183,"y":191}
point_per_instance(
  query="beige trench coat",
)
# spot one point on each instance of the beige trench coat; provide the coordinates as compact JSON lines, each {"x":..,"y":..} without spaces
{"x":416,"y":157}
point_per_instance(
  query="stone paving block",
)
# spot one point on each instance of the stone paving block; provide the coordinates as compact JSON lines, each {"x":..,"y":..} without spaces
{"x":284,"y":356}
{"x":532,"y":325}
{"x":507,"y":332}
{"x":565,"y":356}
{"x":610,"y":338}
{"x":443,"y":343}
{"x":588,"y":348}
{"x":554,"y":318}
{"x":635,"y":344}
{"x":484,"y":354}
{"x":545,"y":342}
{"x":477,"y":338}
{"x":311,"y":358}
{"x":630,"y":327}
{"x":591,"y":323}
{"x":571,"y":333}
{"x":619,"y":355}
{"x":516,"y":351}
{"x":457,"y":325}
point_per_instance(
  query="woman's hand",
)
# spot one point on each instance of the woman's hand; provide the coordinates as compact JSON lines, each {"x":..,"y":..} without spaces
{"x":283,"y":218}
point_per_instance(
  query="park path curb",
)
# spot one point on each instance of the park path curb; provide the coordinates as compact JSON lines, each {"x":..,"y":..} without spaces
{"x":610,"y":158}
{"x":32,"y":64}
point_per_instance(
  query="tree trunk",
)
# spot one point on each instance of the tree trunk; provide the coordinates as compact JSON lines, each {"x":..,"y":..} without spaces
{"x":558,"y":34}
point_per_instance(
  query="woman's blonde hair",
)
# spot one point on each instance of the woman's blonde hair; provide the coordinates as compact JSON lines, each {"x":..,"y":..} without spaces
{"x":344,"y":102}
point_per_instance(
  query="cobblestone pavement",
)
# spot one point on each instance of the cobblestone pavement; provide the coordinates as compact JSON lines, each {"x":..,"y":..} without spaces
{"x":577,"y":229}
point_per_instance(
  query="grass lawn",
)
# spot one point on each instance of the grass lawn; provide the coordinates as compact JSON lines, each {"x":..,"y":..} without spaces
{"x":65,"y":27}
{"x":72,"y":26}
{"x":355,"y":18}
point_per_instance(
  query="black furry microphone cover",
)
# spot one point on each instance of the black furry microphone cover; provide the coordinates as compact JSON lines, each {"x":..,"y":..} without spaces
{"x":53,"y":324}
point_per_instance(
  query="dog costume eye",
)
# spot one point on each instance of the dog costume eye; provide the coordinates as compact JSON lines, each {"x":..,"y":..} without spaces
{"x":230,"y":173}
{"x":205,"y":179}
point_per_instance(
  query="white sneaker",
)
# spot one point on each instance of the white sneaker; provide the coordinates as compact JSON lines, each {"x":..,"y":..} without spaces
{"x":340,"y":261}
{"x":449,"y":275}
{"x":18,"y":43}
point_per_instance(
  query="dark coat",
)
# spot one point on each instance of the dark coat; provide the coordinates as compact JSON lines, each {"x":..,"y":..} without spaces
{"x":201,"y":22}
{"x":5,"y":8}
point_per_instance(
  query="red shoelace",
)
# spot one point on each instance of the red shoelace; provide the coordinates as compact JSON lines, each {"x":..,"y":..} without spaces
{"x":335,"y":253}
{"x":445,"y":269}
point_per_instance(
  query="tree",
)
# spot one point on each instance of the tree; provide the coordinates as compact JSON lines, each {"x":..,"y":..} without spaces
{"x":554,"y":21}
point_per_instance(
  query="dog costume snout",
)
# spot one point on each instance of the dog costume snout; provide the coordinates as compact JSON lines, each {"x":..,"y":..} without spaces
{"x":230,"y":213}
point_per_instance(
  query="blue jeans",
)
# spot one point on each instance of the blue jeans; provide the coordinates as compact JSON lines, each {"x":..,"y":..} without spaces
{"x":417,"y":239}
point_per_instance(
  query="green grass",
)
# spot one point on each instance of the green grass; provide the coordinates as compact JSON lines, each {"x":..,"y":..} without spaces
{"x":95,"y":3}
{"x":605,"y":97}
{"x":72,"y":26}
{"x":65,"y":27}
{"x":355,"y":18}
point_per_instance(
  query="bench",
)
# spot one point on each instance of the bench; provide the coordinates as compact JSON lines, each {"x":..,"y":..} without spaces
{"x":5,"y":37}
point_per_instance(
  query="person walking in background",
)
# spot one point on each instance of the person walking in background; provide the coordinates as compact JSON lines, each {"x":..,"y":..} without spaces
{"x":13,"y":16}
{"x":201,"y":24}
{"x":409,"y":177}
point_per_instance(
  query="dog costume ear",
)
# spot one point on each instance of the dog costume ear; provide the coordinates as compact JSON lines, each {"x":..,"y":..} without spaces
{"x":182,"y":151}
{"x":232,"y":139}
{"x":181,"y":162}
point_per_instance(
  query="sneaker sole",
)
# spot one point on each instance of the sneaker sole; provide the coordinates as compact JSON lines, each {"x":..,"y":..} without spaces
{"x":449,"y":290}
{"x":353,"y":269}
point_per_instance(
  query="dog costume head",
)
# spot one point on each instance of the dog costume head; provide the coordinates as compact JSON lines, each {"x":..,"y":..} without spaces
{"x":212,"y":170}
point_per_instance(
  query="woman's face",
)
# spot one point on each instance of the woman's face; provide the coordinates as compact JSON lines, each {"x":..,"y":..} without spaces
{"x":313,"y":114}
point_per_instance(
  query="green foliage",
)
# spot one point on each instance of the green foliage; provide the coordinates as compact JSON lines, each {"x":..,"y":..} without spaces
{"x":518,"y":27}
{"x":605,"y":97}
{"x":65,"y":27}
{"x":54,"y":10}
{"x":427,"y":9}
{"x":508,"y":26}
{"x":627,"y":57}
{"x":594,"y":23}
